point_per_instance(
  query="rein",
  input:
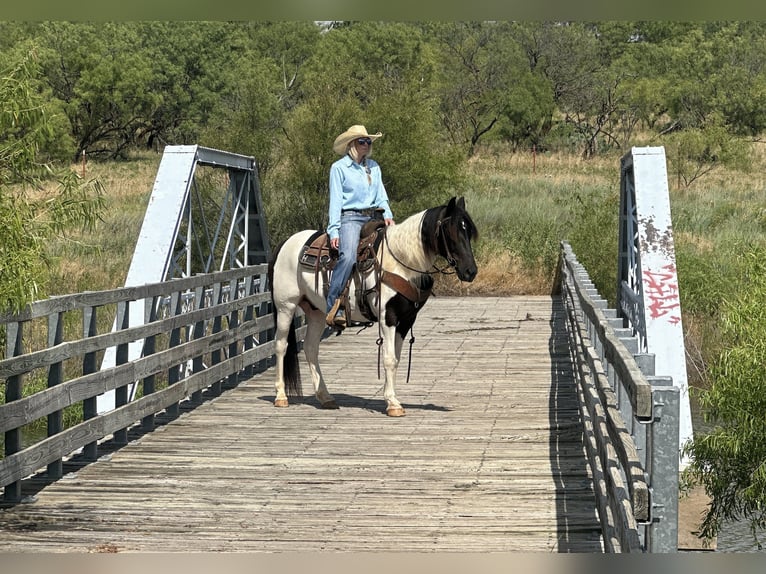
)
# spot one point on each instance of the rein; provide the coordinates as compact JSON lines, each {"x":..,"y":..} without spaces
{"x":379,"y":342}
{"x":379,"y":267}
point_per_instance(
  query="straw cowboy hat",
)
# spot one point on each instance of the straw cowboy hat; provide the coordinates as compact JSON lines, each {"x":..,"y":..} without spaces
{"x":342,"y":141}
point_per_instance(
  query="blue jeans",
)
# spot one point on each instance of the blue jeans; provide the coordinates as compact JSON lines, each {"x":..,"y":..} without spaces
{"x":350,"y":228}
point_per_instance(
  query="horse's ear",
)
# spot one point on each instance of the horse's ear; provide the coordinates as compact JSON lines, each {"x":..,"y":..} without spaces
{"x":455,"y":202}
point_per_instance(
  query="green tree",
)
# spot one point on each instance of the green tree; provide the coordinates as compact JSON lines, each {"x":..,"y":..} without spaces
{"x":103,"y":81}
{"x":730,"y":460}
{"x":30,"y":219}
{"x":694,"y":152}
{"x":739,"y":83}
{"x":251,"y":116}
{"x":130,"y":84}
{"x":193,"y":70}
{"x":374,"y":74}
{"x":589,"y":87}
{"x":479,"y":65}
{"x":527,"y":113}
{"x":264,"y":84}
{"x":289,"y":46}
{"x":295,"y":195}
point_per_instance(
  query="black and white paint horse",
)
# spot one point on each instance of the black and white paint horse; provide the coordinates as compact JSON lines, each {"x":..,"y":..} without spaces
{"x":405,"y":264}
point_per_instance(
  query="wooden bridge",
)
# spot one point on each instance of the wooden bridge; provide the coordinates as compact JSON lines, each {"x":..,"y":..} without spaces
{"x":490,"y":456}
{"x":537,"y":424}
{"x":499,"y":450}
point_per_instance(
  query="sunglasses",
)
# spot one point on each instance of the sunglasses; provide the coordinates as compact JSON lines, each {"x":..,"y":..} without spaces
{"x":364,"y":141}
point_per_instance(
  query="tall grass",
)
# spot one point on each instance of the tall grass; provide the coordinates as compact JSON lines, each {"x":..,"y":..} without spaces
{"x":524,"y":205}
{"x":97,"y":260}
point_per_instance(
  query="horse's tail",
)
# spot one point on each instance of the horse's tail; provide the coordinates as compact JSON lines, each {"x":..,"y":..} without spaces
{"x":292,"y":371}
{"x":291,"y":367}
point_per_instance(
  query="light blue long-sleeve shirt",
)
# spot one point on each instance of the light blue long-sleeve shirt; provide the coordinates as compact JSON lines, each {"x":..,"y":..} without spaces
{"x":350,"y":189}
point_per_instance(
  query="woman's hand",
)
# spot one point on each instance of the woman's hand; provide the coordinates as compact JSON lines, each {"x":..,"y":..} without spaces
{"x":390,"y":222}
{"x":334,"y":242}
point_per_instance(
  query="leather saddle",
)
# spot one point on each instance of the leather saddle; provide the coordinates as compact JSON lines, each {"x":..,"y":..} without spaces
{"x":317,"y":254}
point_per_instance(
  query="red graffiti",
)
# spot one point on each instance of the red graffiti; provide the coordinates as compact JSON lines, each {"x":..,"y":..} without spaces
{"x":661,"y":289}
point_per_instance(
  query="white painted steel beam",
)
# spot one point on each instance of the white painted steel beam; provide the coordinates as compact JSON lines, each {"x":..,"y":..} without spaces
{"x":648,"y":293}
{"x":157,"y":257}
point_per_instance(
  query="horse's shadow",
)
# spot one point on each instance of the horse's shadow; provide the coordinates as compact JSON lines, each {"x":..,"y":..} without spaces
{"x":345,"y":401}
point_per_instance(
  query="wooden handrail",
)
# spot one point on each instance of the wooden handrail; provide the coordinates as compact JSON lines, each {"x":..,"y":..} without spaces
{"x":223,"y":338}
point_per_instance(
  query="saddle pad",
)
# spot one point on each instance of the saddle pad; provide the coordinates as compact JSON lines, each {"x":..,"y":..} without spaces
{"x":316,"y":252}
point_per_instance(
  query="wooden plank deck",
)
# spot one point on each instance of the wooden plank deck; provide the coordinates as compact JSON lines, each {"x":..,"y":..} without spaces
{"x":488,"y":458}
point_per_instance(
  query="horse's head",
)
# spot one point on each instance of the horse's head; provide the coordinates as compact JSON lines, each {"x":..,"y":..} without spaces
{"x":457,"y":230}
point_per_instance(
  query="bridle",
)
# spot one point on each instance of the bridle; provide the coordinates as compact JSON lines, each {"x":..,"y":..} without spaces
{"x":451,"y":261}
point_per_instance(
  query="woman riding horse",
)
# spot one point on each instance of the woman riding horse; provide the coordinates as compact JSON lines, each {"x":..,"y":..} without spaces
{"x":394,"y":289}
{"x":356,"y":190}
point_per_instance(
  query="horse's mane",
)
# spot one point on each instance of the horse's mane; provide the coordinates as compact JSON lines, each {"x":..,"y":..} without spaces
{"x":405,"y":241}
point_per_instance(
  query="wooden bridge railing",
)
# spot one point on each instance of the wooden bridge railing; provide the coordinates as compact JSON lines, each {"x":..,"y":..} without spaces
{"x":197,"y":333}
{"x":630,"y":421}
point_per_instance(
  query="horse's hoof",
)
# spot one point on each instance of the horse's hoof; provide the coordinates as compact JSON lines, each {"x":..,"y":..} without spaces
{"x":280,"y":402}
{"x":395,"y":411}
{"x":330,"y":405}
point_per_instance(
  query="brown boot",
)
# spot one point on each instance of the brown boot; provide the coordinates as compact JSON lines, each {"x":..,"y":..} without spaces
{"x":330,"y":319}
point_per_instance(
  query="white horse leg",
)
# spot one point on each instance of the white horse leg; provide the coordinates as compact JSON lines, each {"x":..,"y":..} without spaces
{"x":315,"y":325}
{"x":392,"y":347}
{"x":283,"y":323}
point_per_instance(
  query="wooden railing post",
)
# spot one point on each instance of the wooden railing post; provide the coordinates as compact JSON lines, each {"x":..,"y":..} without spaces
{"x":55,"y":377}
{"x":150,"y":345}
{"x":121,"y":357}
{"x":197,"y":333}
{"x":174,"y":373}
{"x":13,"y":385}
{"x":215,"y":356}
{"x":89,"y":365}
{"x":233,"y":324}
{"x":249,"y":314}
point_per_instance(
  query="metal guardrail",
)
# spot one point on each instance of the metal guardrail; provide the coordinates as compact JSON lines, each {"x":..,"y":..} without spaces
{"x":630,"y":417}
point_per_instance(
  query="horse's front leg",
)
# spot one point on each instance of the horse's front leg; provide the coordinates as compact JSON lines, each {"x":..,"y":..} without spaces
{"x":392,"y":349}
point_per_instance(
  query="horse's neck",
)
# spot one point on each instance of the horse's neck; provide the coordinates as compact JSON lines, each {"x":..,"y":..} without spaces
{"x":405,"y":248}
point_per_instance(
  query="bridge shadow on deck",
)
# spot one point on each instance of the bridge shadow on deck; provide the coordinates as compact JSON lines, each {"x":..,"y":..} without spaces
{"x":346,"y":401}
{"x":566,"y":429}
